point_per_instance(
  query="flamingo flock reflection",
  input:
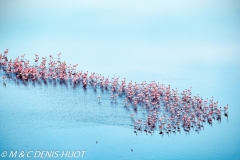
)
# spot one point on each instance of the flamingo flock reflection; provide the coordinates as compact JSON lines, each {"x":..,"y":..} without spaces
{"x":163,"y":109}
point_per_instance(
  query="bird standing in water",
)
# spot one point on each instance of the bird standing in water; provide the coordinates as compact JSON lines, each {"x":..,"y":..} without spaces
{"x":174,"y":109}
{"x":99,"y":99}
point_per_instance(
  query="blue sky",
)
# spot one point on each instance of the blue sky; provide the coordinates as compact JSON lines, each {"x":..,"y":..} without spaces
{"x":160,"y":34}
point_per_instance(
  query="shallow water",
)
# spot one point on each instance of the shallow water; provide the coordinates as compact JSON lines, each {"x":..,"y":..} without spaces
{"x":38,"y":116}
{"x":181,"y":43}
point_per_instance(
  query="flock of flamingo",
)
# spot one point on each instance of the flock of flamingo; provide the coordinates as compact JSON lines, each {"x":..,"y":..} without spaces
{"x":165,"y":109}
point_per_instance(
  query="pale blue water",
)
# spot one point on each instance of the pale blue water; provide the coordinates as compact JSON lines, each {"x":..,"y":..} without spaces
{"x":59,"y":117}
{"x":182,"y":44}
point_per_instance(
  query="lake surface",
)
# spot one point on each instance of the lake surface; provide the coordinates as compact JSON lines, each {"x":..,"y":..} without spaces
{"x":178,"y":43}
{"x":51,"y":117}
